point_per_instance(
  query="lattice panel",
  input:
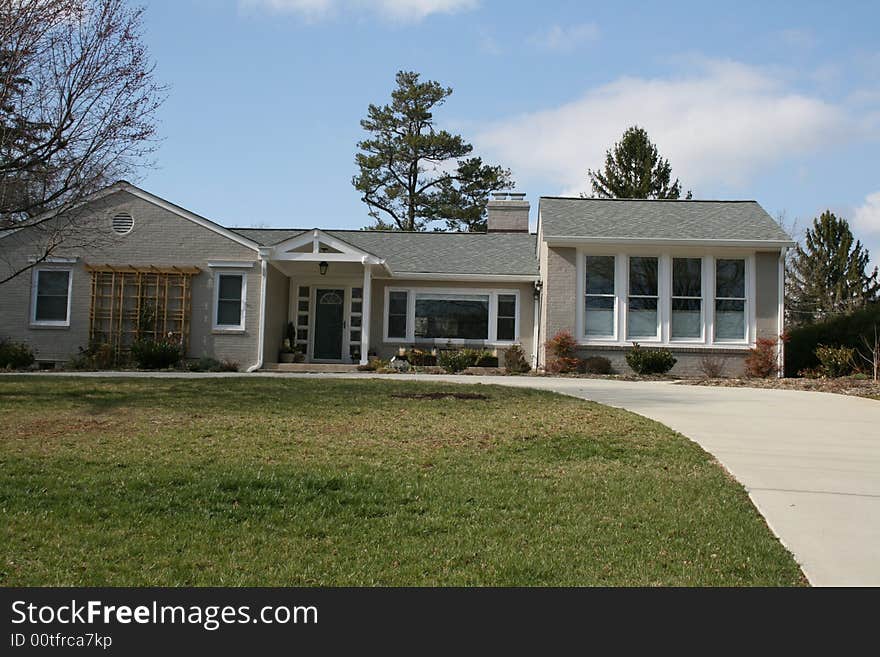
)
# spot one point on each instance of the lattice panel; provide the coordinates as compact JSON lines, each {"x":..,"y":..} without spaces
{"x":130,"y":303}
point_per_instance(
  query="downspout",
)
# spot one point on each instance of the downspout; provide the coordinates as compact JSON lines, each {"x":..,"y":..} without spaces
{"x":536,"y":330}
{"x":261,"y":330}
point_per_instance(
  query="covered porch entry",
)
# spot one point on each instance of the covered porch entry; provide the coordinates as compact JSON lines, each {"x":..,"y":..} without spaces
{"x":329,"y":296}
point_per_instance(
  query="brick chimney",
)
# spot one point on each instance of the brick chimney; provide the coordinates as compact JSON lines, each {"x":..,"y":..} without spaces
{"x":508,"y":212}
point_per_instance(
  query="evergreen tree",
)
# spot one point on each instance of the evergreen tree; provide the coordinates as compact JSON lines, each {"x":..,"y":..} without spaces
{"x":829,"y":273}
{"x":634,"y":169}
{"x":413,"y":175}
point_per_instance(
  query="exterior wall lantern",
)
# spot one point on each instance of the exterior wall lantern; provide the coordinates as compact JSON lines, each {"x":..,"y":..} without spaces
{"x":323,"y":268}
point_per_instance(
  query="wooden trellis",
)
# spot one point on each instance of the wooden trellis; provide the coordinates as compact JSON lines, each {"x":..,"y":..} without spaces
{"x":130,"y":303}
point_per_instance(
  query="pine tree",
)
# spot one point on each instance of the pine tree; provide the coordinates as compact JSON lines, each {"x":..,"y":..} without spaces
{"x":413,"y":175}
{"x":829,"y":273}
{"x":634,"y":169}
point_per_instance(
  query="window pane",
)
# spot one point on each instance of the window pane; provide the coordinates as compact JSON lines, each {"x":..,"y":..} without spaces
{"x":452,"y":316}
{"x":600,"y":275}
{"x":686,"y":319}
{"x":304,"y":292}
{"x":303,"y":320}
{"x":303,"y":306}
{"x":643,"y":276}
{"x":230,"y":287}
{"x":357,"y":292}
{"x":51,"y":309}
{"x":355,"y":336}
{"x":356,"y":321}
{"x":686,"y":277}
{"x":600,"y":316}
{"x":228,"y":312}
{"x":506,"y":328}
{"x":356,"y":307}
{"x":397,"y":303}
{"x":302,"y":334}
{"x":730,"y":320}
{"x":52,"y":283}
{"x":642,"y":318}
{"x":397,"y":326}
{"x":730,"y":278}
{"x":506,"y":305}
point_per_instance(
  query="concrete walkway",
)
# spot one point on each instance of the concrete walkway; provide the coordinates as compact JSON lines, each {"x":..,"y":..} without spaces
{"x":810,"y":461}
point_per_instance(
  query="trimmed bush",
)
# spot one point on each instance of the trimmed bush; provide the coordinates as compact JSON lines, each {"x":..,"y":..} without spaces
{"x":454,"y":361}
{"x":15,"y":355}
{"x":841,"y":331}
{"x":762,"y":362}
{"x":649,"y":361}
{"x":835,"y":361}
{"x":563,"y":355}
{"x":515,"y":361}
{"x":155,"y":354}
{"x":596,"y":365}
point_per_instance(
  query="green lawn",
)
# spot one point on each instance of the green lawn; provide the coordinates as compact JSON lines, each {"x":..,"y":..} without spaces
{"x":258,"y":481}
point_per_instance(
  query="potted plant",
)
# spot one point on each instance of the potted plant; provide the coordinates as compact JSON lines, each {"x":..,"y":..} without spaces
{"x":288,"y":353}
{"x":299,"y":355}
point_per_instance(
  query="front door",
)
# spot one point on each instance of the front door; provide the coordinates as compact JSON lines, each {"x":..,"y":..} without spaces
{"x":329,"y":305}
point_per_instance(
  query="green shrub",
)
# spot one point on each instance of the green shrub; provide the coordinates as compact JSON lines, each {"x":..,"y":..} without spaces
{"x":762,"y":361}
{"x":97,"y":356}
{"x":842,"y":331}
{"x":515,"y":361}
{"x":15,"y":355}
{"x":421,"y":358}
{"x":207,"y":364}
{"x":835,"y":361}
{"x":649,"y":361}
{"x":455,"y":360}
{"x":596,"y":365}
{"x":155,"y":354}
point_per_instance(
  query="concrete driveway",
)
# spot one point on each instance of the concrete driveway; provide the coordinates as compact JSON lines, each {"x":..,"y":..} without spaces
{"x":809,"y":460}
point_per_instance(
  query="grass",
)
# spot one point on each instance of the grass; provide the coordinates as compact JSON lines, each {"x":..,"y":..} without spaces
{"x":258,"y":481}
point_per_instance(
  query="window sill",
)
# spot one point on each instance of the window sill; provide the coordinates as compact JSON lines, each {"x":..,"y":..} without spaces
{"x":42,"y":325}
{"x":228,"y":331}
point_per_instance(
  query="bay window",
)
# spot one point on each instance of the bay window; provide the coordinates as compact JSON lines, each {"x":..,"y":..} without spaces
{"x":730,"y":299}
{"x":457,"y":315}
{"x":687,"y":298}
{"x":599,"y":301}
{"x":642,"y":317}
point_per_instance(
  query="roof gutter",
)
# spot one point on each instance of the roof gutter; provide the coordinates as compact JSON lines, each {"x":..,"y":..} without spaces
{"x":569,"y":240}
{"x":493,"y":278}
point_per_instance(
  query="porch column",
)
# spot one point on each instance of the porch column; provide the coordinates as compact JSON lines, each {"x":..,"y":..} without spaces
{"x":365,"y":314}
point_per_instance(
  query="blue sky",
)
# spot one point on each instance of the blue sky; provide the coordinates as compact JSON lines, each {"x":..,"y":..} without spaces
{"x":774,"y":101}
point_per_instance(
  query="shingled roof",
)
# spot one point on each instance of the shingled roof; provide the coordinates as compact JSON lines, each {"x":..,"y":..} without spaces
{"x":503,"y":254}
{"x":678,"y":220}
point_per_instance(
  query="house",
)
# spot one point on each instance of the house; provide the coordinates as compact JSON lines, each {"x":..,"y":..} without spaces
{"x":698,"y":277}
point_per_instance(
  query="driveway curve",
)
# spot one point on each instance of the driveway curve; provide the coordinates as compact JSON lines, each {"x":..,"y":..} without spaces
{"x":810,"y":461}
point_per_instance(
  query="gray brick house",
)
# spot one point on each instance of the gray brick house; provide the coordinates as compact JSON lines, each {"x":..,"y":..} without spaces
{"x":697,"y":277}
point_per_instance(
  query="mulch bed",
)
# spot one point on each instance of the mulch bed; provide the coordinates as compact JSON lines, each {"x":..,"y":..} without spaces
{"x":842,"y":386}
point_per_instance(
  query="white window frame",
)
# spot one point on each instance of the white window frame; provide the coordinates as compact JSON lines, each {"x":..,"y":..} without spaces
{"x":702,"y":298}
{"x":515,"y":317}
{"x":34,"y":288}
{"x":749,"y":288}
{"x":492,"y":293}
{"x":229,"y":328}
{"x":582,"y":279}
{"x":657,"y":333}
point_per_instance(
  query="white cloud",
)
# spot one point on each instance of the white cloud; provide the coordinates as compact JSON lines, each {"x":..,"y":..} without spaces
{"x":721,"y":124}
{"x":566,"y":38}
{"x":398,"y":10}
{"x":866,"y":220}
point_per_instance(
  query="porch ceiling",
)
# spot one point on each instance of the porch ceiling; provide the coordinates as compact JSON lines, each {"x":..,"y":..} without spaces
{"x":303,"y":269}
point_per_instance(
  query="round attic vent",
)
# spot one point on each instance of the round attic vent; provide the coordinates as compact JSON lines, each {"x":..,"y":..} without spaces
{"x":122,"y":223}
